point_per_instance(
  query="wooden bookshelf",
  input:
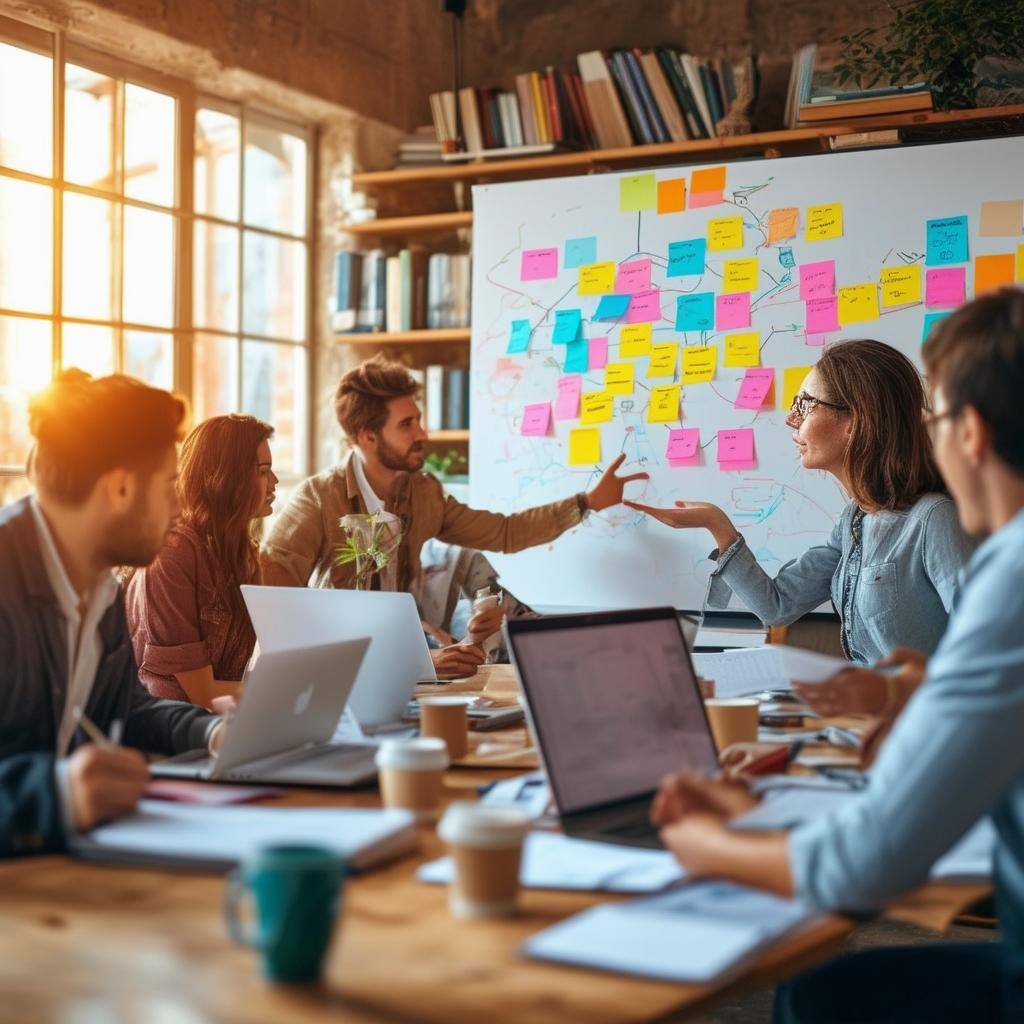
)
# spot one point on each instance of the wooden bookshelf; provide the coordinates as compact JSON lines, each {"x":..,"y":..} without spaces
{"x":449,"y":437}
{"x":407,"y":227}
{"x":428,"y":336}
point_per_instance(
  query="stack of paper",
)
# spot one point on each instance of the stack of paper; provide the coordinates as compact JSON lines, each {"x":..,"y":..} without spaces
{"x":742,"y":673}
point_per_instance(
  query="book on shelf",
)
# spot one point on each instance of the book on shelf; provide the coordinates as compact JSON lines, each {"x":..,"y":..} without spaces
{"x":377,"y":292}
{"x":446,"y":398}
{"x":448,"y":290}
{"x":420,"y":148}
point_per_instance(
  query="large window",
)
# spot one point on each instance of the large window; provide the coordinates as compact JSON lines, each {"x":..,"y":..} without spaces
{"x":147,"y":232}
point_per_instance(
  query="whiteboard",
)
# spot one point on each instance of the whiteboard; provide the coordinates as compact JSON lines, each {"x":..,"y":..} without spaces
{"x":618,"y":558}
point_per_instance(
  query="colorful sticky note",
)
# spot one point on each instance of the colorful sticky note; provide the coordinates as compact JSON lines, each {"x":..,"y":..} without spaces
{"x":858,"y":303}
{"x":930,"y":320}
{"x":782,"y":224}
{"x":536,"y":419}
{"x":946,"y":241}
{"x":824,"y":222}
{"x":596,"y":278}
{"x":707,"y":187}
{"x":699,"y":363}
{"x":1020,"y":263}
{"x":598,"y":353}
{"x":635,"y":340}
{"x":822,"y":315}
{"x":732,"y":311}
{"x":739,"y":275}
{"x":584,"y":446}
{"x":538,"y":264}
{"x":695,"y":311}
{"x":596,"y":407}
{"x":644,"y":307}
{"x":945,"y":286}
{"x":672,"y":195}
{"x":683,"y":448}
{"x":901,"y":285}
{"x":743,"y":349}
{"x":638,"y":192}
{"x":725,"y":233}
{"x":814,"y":340}
{"x":686,"y":257}
{"x":792,"y":380}
{"x":633,"y":277}
{"x":817,"y":279}
{"x":577,"y":356}
{"x":612,"y":307}
{"x":568,"y":323}
{"x":754,"y":388}
{"x":663,"y":405}
{"x":992,"y":272}
{"x":567,"y":404}
{"x":618,"y":378}
{"x":663,"y":360}
{"x":579,"y":252}
{"x":518,"y":336}
{"x":736,"y":449}
{"x":1002,"y":218}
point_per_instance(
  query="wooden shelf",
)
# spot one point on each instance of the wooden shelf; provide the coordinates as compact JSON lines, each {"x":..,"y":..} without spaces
{"x":434,"y":336}
{"x":424,"y":224}
{"x":449,"y":436}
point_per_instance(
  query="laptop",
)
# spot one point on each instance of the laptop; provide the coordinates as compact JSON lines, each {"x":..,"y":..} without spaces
{"x":613,"y":704}
{"x":289,"y":617}
{"x":281,"y":732}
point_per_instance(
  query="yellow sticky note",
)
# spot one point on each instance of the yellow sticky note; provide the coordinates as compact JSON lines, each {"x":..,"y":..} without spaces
{"x":638,"y":192}
{"x":739,"y":275}
{"x":725,"y":233}
{"x":663,"y":360}
{"x":596,"y":279}
{"x":699,"y":363}
{"x":596,"y":407}
{"x":584,"y":446}
{"x":858,"y":303}
{"x":618,"y":378}
{"x":824,"y":222}
{"x":743,"y":349}
{"x":782,"y":224}
{"x":663,"y":406}
{"x":1020,"y":262}
{"x":635,"y":340}
{"x":901,"y":285}
{"x":792,"y":378}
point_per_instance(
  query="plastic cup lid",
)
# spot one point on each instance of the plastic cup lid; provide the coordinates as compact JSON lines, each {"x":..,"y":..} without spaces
{"x":475,"y":824}
{"x":424,"y":753}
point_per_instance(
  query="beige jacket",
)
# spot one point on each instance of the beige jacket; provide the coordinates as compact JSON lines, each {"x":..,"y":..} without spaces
{"x":299,"y":550}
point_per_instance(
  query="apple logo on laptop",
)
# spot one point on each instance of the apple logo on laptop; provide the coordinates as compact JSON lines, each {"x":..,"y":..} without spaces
{"x":302,"y":701}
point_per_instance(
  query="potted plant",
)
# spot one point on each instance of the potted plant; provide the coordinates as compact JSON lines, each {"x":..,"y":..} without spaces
{"x":371,"y":539}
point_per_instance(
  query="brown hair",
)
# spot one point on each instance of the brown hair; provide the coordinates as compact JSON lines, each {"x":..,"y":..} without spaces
{"x":85,"y":427}
{"x":976,"y":355}
{"x":362,"y":396}
{"x":888,"y":459}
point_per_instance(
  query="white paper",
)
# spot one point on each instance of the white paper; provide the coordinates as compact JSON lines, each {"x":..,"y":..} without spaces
{"x":743,"y":673}
{"x":529,"y":792}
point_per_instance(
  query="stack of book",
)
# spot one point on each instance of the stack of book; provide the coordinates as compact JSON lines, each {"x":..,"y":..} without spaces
{"x":420,"y":148}
{"x":445,"y":398}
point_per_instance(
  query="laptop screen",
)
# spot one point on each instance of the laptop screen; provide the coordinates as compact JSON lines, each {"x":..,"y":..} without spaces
{"x":614,"y":703}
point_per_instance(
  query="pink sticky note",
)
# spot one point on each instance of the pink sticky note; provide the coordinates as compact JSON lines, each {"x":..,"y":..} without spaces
{"x":736,"y":449}
{"x":538,"y":264}
{"x":817,"y":279}
{"x":815,"y":340}
{"x":822,"y":315}
{"x":754,"y":388}
{"x":633,"y":277}
{"x":536,"y":419}
{"x":644,"y":307}
{"x":699,"y":199}
{"x":944,"y":286}
{"x":732,"y":311}
{"x":683,"y":446}
{"x":567,"y":405}
{"x":598,"y":353}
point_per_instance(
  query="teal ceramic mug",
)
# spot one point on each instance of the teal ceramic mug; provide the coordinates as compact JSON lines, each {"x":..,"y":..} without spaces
{"x":296,"y":891}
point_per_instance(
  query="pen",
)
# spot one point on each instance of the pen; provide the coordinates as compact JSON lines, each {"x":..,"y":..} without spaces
{"x":93,"y":731}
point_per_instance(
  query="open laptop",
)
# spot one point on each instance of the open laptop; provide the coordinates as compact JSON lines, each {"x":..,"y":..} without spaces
{"x":281,"y":732}
{"x":613,"y":705}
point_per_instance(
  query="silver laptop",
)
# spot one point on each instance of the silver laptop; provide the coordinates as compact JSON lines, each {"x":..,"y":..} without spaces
{"x":281,"y":733}
{"x":614,"y":706}
{"x":288,"y":617}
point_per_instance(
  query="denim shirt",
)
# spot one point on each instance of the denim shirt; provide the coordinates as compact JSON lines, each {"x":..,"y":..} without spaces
{"x":892,"y":576}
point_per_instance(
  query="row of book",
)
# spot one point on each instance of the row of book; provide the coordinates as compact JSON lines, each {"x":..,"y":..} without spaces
{"x":445,"y":392}
{"x":407,"y":291}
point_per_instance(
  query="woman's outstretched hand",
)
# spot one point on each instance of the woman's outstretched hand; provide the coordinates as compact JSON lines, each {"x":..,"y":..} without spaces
{"x":691,"y":515}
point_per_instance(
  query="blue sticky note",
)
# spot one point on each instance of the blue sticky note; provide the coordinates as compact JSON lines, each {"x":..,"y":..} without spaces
{"x":686,"y":257}
{"x":519,"y":336}
{"x":611,"y":307}
{"x":579,"y":252}
{"x":577,"y":356}
{"x":567,"y":326}
{"x":695,"y":312}
{"x":930,"y":320}
{"x":946,"y":241}
{"x":786,"y":258}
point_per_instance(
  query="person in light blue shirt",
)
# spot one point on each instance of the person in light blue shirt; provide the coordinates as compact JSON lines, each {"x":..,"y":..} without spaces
{"x":956,"y":752}
{"x":890,"y":566}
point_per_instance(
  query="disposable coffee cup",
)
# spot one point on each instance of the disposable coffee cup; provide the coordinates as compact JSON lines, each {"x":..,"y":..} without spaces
{"x":446,"y":718}
{"x":412,"y":774}
{"x":732,"y":720}
{"x":486,"y":844}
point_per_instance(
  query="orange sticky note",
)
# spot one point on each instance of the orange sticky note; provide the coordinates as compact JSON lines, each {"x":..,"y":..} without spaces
{"x":992,"y":272}
{"x":782,"y":224}
{"x":710,"y":179}
{"x":672,"y":195}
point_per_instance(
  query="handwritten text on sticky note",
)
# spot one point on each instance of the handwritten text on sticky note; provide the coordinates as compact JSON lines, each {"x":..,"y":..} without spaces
{"x":538,"y":264}
{"x":536,"y":419}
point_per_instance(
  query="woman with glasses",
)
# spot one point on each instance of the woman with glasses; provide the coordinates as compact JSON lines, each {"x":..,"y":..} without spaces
{"x":891,"y":563}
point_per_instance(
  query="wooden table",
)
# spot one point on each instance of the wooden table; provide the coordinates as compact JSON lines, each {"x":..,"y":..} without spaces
{"x":85,"y":942}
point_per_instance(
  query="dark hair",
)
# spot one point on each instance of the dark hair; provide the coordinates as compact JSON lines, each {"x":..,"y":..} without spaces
{"x":362,"y":396}
{"x":888,"y":460}
{"x":84,"y":427}
{"x":976,"y":355}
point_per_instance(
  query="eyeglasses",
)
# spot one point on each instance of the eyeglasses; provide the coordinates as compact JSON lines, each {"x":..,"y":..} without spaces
{"x":931,"y":419}
{"x":804,"y":404}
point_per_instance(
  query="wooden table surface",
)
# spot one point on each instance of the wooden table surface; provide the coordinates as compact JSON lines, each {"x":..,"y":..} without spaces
{"x":82,"y":942}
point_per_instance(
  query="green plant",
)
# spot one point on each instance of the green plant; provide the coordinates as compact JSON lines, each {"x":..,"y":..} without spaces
{"x":445,"y":465}
{"x":938,"y":41}
{"x":370,"y":542}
